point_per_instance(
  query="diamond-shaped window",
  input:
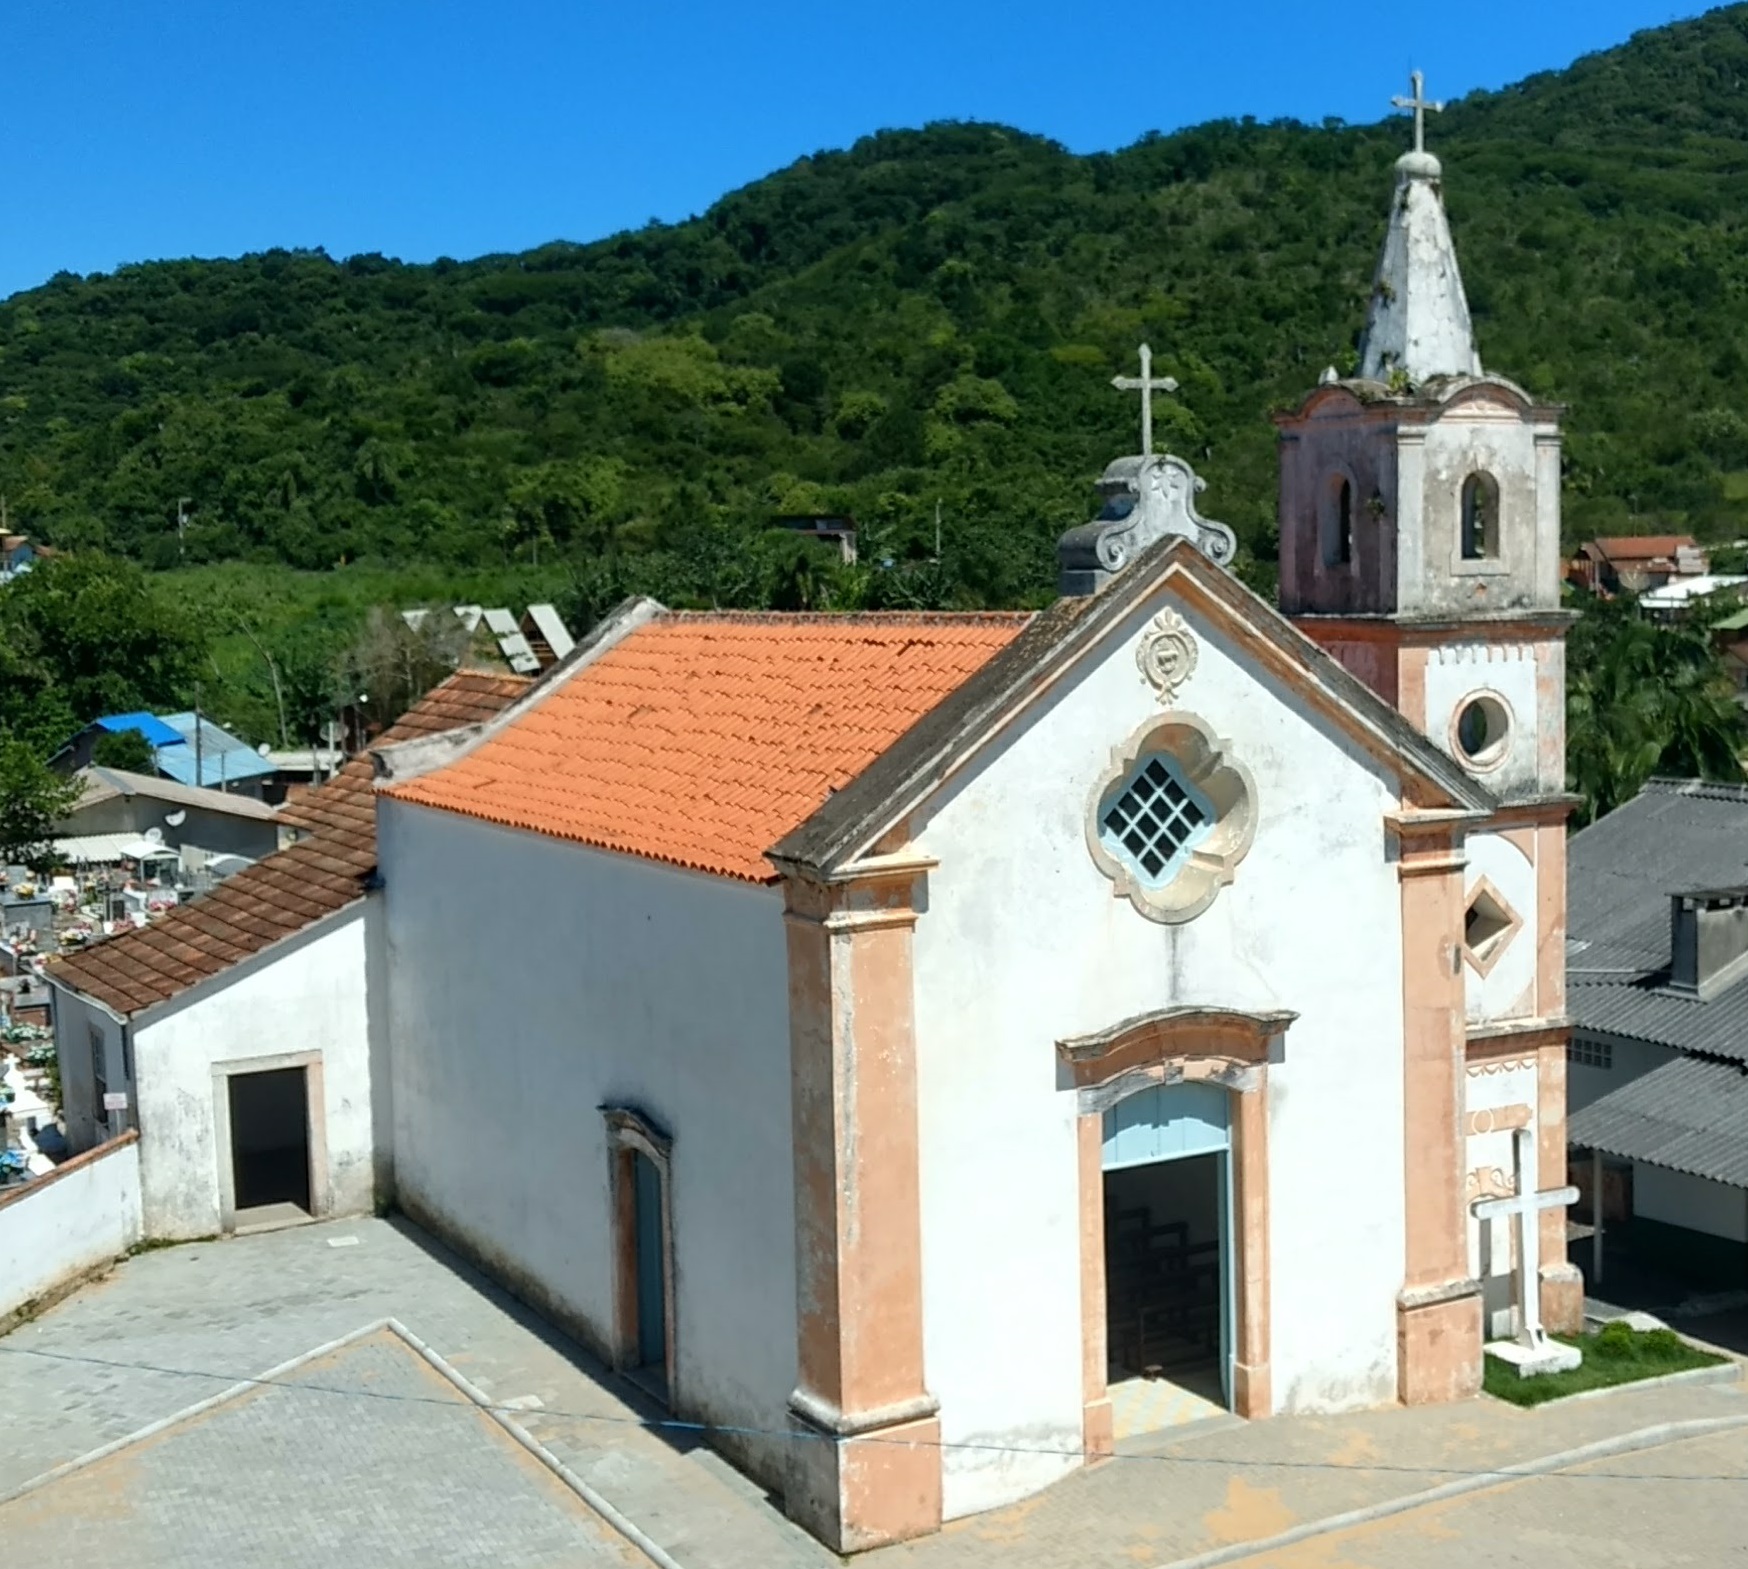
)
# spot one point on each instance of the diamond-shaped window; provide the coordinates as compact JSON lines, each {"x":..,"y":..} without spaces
{"x":1489,"y":924}
{"x":1155,"y":821}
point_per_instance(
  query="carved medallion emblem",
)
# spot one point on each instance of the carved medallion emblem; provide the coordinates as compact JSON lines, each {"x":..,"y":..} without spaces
{"x":1167,"y":654}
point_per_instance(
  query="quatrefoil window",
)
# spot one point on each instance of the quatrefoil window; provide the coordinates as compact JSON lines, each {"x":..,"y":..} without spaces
{"x":1172,"y":818}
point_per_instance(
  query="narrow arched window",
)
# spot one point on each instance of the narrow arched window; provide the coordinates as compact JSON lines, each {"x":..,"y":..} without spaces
{"x":1480,"y":517}
{"x":1337,"y":522}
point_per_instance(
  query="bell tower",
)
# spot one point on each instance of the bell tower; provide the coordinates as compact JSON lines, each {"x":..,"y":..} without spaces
{"x":1420,"y":513}
{"x":1420,"y":546}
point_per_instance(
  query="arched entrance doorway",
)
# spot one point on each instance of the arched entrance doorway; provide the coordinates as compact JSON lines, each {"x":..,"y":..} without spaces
{"x":1166,"y":1158}
{"x":1163,"y":1090}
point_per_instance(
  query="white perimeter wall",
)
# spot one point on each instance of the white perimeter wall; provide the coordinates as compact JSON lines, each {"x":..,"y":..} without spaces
{"x":1677,"y":1199}
{"x":303,"y":995}
{"x":533,"y":982}
{"x":1024,"y":944}
{"x":56,"y":1228}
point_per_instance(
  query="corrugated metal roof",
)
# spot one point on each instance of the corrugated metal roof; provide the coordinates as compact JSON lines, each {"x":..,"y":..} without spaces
{"x":93,"y":849}
{"x":1689,"y":1115}
{"x":224,"y":759}
{"x":1676,"y":834}
{"x":156,"y":732}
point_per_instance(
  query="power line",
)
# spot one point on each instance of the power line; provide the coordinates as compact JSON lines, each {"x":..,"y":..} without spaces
{"x":704,"y":1429}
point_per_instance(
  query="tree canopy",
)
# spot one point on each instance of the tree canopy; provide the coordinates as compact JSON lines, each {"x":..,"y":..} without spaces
{"x":928,"y":317}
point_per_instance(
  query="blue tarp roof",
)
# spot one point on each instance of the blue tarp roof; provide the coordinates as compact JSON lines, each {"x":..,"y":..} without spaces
{"x":156,"y":732}
{"x":223,"y":758}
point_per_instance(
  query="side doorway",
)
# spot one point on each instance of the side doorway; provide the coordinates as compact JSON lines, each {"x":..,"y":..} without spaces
{"x":643,"y":1245}
{"x":271,"y":1149}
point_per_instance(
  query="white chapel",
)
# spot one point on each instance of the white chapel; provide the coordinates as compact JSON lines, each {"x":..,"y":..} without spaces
{"x":932,"y":1044}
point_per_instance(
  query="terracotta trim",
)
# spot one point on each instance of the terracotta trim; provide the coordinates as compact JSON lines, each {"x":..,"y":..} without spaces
{"x":1498,"y":1119}
{"x":1544,"y":811}
{"x":870,"y":1471}
{"x":67,"y":1167}
{"x":1169,"y":1043}
{"x":1411,"y":666}
{"x":1438,"y":1310}
{"x":1180,"y":1035}
{"x":1562,"y":1287}
{"x":1098,"y":1439}
{"x":1550,"y":870}
{"x":1486,"y":1042}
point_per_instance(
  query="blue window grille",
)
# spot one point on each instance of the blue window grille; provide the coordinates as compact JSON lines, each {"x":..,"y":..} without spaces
{"x":1157,"y":818}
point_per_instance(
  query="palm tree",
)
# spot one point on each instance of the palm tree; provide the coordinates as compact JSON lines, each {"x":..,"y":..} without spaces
{"x":1643,"y":698}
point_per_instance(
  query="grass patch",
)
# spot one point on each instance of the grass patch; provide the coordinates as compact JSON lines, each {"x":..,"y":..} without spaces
{"x":1616,"y":1354}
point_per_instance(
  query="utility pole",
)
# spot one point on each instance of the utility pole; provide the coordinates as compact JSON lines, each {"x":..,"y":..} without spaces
{"x":181,"y":526}
{"x":199,"y":770}
{"x":937,"y":530}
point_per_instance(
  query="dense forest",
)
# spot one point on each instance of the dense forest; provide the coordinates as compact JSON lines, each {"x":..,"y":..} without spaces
{"x":922,"y":327}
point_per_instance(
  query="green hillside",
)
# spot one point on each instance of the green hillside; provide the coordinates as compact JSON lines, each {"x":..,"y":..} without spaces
{"x":931,"y":317}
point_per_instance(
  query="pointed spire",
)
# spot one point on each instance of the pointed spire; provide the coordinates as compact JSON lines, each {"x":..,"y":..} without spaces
{"x":1418,"y":322}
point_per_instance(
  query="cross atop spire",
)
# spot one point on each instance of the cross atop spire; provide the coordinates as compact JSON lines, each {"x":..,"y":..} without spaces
{"x":1419,"y":103}
{"x":1146,"y":384}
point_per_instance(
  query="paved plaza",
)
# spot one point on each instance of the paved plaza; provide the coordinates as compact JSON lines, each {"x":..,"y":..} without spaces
{"x":349,"y":1395}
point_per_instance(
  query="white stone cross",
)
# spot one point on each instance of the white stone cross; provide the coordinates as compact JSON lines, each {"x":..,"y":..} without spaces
{"x":1146,"y":384}
{"x":1526,"y":1204}
{"x":1419,"y":103}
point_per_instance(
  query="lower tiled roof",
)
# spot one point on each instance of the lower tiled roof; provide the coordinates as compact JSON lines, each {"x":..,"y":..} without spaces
{"x":282,"y":893}
{"x":701,"y":739}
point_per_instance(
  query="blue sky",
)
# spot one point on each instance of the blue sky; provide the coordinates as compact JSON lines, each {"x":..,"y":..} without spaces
{"x":137,"y":129}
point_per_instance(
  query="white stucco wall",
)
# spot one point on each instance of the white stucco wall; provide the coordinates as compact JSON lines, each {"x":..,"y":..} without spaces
{"x":58,"y":1227}
{"x":1456,"y":672}
{"x":1629,"y":1060}
{"x":620,"y":982}
{"x":1677,"y":1199}
{"x":1023,"y":944}
{"x":83,"y":1032}
{"x":304,"y":995}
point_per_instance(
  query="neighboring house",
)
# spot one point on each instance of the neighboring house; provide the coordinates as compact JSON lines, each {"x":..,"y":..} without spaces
{"x":125,"y":807}
{"x":240,"y":1026}
{"x":1730,"y":639}
{"x":192,"y":753}
{"x":17,"y":556}
{"x":1681,"y":596}
{"x":1634,"y":563}
{"x":916,"y":1031}
{"x":296,"y":769}
{"x":1657,"y":984}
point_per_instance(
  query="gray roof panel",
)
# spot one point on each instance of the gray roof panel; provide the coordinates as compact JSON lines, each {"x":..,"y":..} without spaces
{"x":1676,"y":834}
{"x":1688,"y":1115}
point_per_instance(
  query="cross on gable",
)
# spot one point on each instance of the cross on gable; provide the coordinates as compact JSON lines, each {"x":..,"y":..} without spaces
{"x":1146,"y":384}
{"x":1420,"y":104}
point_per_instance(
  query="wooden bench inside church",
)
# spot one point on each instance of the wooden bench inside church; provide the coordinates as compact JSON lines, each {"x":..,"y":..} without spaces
{"x":1162,"y":1294}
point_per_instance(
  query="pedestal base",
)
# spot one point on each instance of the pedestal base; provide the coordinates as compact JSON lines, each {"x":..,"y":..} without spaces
{"x":1562,"y":1298}
{"x":867,"y":1490}
{"x":1438,"y":1343}
{"x":1532,"y":1361}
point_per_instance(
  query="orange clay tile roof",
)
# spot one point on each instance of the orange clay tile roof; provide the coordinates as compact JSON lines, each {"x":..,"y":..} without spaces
{"x":702,"y":739}
{"x":281,"y":893}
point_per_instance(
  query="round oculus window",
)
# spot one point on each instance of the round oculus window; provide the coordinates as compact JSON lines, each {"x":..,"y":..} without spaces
{"x":1483,"y":730}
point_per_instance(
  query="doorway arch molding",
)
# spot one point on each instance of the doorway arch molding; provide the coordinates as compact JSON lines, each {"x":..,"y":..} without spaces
{"x":1223,"y":1046}
{"x":631,"y":1132}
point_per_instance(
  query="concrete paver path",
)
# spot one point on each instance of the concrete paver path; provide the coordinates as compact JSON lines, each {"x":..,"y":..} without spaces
{"x":375,"y":1450}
